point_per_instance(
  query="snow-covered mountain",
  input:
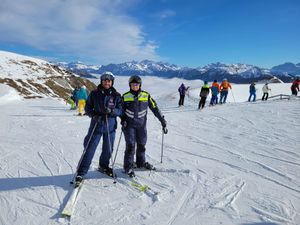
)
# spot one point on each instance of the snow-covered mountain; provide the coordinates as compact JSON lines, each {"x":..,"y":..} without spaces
{"x":287,"y":68}
{"x":33,"y":77}
{"x":238,"y":73}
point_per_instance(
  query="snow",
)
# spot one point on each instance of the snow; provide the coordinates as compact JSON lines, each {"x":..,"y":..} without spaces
{"x":8,"y":94}
{"x":232,"y":164}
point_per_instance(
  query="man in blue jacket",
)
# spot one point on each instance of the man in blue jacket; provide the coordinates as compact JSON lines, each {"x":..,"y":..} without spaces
{"x":103,"y":106}
{"x":135,"y":106}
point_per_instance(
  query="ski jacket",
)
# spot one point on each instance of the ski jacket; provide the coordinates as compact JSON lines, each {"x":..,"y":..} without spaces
{"x":135,"y":108}
{"x":82,"y":94}
{"x":204,"y":91}
{"x":265,"y":89}
{"x":182,"y":89}
{"x":215,"y":88}
{"x":225,"y":85}
{"x":252,"y":88}
{"x":100,"y":99}
{"x":295,"y":85}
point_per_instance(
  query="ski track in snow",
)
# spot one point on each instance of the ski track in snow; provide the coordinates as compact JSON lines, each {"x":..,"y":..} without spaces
{"x":226,"y":164}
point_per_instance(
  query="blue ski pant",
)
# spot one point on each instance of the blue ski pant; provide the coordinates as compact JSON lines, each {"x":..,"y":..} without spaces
{"x":254,"y":97}
{"x":214,"y":99}
{"x":223,"y":96}
{"x":92,"y":146}
{"x":135,"y":137}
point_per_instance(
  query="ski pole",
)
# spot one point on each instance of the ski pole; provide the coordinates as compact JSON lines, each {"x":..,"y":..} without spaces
{"x":84,"y":151}
{"x":110,"y":149}
{"x":163,"y":132}
{"x":117,"y":149}
{"x":232,"y":95}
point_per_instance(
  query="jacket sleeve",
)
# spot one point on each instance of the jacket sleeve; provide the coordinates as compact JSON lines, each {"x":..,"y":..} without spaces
{"x":153,"y":106}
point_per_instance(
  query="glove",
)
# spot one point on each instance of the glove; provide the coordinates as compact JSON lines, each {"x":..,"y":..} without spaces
{"x":107,"y":111}
{"x":164,"y":123}
{"x":97,"y":118}
{"x":165,"y":130}
{"x":124,"y":124}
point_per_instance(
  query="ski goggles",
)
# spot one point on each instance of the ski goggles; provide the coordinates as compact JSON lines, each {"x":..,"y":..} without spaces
{"x":107,"y":77}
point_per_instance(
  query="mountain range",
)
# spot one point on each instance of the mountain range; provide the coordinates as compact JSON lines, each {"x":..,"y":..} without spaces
{"x":237,"y":73}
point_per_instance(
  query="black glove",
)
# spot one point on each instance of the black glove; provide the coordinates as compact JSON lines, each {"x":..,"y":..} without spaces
{"x":107,"y":111}
{"x":97,"y":118}
{"x":124,"y":124}
{"x":163,"y":123}
{"x":165,"y":130}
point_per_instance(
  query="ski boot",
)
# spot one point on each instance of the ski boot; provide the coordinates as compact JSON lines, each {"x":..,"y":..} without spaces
{"x":146,"y":166}
{"x":107,"y":170}
{"x":78,"y":180}
{"x":130,"y":173}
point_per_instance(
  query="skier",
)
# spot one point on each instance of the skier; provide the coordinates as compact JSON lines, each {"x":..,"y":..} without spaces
{"x":265,"y":90}
{"x":295,"y":86}
{"x":252,"y":91}
{"x":75,"y":96}
{"x":215,"y":90}
{"x":135,"y":106}
{"x":82,"y":97}
{"x":103,"y":106}
{"x":182,"y":90}
{"x":203,"y":94}
{"x":224,"y":90}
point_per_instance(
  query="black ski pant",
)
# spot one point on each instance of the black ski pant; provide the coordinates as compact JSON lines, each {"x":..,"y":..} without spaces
{"x":135,"y":136}
{"x":181,"y":100}
{"x":265,"y":96}
{"x":202,"y":103}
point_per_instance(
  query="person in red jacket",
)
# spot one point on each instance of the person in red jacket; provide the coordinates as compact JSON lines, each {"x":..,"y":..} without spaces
{"x":295,"y":86}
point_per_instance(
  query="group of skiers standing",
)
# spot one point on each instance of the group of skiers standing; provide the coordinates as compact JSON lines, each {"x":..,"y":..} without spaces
{"x":103,"y":106}
{"x":215,"y":89}
{"x":223,"y":89}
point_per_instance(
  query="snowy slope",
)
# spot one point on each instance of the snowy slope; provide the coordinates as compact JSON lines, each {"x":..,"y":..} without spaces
{"x":232,"y":164}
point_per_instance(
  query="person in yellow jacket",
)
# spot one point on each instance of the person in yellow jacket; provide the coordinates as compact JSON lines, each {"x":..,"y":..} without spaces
{"x":82,"y":97}
{"x":225,"y":85}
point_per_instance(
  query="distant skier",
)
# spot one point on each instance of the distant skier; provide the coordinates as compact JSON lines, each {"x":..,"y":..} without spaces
{"x":75,"y":95}
{"x":182,"y":91}
{"x":265,"y":90}
{"x":103,"y":106}
{"x":225,"y":85}
{"x":82,"y":97}
{"x":295,"y":86}
{"x":252,"y":91}
{"x":203,"y":95}
{"x":135,"y":105}
{"x":215,"y":90}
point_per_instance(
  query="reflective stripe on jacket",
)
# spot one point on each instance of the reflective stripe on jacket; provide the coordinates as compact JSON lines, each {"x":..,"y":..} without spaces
{"x":136,"y":108}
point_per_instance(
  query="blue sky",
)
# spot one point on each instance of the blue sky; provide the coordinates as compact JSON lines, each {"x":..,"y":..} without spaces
{"x":187,"y":33}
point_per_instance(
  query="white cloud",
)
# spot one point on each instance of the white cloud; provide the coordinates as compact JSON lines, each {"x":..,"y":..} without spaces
{"x":97,"y":30}
{"x":166,"y":14}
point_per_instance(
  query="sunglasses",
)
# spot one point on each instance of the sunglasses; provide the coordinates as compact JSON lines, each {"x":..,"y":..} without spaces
{"x":134,"y":84}
{"x":107,"y":77}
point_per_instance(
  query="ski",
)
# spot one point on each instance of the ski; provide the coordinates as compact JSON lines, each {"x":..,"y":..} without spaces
{"x":133,"y":182}
{"x":70,"y":205}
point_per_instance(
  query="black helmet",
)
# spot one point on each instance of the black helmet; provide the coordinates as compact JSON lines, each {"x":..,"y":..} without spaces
{"x":135,"y":79}
{"x":107,"y":76}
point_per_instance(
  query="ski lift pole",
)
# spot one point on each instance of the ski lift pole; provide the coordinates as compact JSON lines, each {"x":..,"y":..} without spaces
{"x":84,"y":151}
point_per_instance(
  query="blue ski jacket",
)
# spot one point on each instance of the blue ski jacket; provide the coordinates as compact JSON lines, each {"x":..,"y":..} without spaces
{"x":100,"y":99}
